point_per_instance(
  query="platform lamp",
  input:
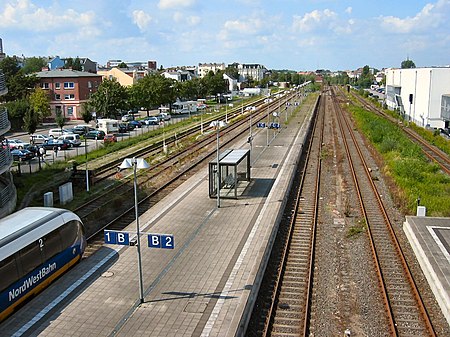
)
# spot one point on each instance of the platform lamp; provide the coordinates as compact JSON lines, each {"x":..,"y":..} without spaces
{"x":137,"y":163}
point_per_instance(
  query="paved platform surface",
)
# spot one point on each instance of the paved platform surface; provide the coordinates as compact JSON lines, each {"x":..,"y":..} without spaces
{"x":203,"y":287}
{"x":430,"y":240}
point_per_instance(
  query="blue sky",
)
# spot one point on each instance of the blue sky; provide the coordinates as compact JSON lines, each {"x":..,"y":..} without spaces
{"x":280,"y":34}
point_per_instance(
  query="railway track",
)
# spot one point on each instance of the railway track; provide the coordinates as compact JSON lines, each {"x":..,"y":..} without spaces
{"x":433,"y":153}
{"x":160,"y":180}
{"x":405,"y":309}
{"x":283,"y":304}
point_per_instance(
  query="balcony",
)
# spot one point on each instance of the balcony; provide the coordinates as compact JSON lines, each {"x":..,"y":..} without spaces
{"x":5,"y":124}
{"x":3,"y":88}
{"x":6,"y":160}
{"x":8,"y":194}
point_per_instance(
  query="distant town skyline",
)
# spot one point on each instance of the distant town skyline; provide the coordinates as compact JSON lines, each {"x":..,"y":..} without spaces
{"x":286,"y":34}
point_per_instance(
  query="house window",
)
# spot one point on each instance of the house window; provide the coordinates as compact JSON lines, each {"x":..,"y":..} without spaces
{"x":70,"y":111}
{"x":69,"y":96}
{"x":69,"y":85}
{"x":57,"y":85}
{"x":44,"y":85}
{"x":57,"y":97}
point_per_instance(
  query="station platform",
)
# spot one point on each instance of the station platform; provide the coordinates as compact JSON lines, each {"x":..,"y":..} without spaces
{"x":206,"y":285}
{"x":430,"y":239}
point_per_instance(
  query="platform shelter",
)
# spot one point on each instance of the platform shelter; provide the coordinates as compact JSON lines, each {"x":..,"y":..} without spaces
{"x":234,"y":173}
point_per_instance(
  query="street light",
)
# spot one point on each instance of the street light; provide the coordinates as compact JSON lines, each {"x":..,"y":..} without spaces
{"x":137,"y":163}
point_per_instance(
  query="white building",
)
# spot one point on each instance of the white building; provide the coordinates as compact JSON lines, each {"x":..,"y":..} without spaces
{"x":205,"y":68}
{"x":421,"y":94}
{"x":253,"y":71}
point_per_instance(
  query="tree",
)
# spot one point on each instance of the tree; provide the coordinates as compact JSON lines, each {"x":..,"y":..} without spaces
{"x":40,"y":103}
{"x":77,"y":65}
{"x":60,"y":120}
{"x":407,"y":64}
{"x":30,"y":121}
{"x":109,"y":99}
{"x":154,"y":90}
{"x":33,"y":64}
{"x":86,"y":113}
{"x":19,"y":85}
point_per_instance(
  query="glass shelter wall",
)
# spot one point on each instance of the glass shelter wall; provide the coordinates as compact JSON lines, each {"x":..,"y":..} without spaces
{"x":234,"y":168}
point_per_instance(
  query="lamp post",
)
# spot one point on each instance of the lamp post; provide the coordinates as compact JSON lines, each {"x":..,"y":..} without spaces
{"x":87,"y":172}
{"x":137,"y":163}
{"x":218,"y":166}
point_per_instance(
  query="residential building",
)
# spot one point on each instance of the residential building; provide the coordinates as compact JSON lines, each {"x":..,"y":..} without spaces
{"x":232,"y":82}
{"x":421,"y":95}
{"x":205,"y":68}
{"x":68,"y":89}
{"x":8,"y":193}
{"x":178,"y":75}
{"x":255,"y":72}
{"x":132,"y":64}
{"x":86,"y":64}
{"x":126,"y":77}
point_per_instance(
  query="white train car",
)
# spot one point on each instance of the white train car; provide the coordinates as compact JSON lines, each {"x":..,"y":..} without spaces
{"x":37,"y":244}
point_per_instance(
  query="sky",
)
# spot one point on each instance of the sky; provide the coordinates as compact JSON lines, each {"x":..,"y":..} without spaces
{"x":297,"y":35}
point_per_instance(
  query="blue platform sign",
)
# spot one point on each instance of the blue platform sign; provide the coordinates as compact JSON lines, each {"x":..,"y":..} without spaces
{"x":260,"y":125}
{"x":164,"y":241}
{"x":117,"y":238}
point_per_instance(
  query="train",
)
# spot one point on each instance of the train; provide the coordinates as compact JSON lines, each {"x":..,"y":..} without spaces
{"x":37,"y":245}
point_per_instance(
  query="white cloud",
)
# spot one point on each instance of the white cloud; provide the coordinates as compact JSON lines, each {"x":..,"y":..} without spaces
{"x":190,"y":20}
{"x":313,"y":20}
{"x":141,"y":19}
{"x":248,"y":27}
{"x":167,"y":4}
{"x":430,"y":17}
{"x":22,"y":14}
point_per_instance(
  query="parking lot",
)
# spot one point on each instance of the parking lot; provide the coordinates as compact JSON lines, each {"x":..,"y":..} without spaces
{"x":51,"y":155}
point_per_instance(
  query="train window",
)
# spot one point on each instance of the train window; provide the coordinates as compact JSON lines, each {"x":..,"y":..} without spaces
{"x":69,"y":233}
{"x":52,"y":244}
{"x":8,"y":270}
{"x":30,"y":257}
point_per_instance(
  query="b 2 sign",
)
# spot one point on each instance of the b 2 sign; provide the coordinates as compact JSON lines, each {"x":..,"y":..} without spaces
{"x":164,"y":241}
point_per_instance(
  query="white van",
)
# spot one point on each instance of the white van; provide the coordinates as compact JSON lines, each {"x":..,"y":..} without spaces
{"x":108,"y":125}
{"x":73,"y":138}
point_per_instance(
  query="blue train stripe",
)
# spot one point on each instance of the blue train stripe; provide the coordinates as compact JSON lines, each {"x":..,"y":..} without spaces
{"x":37,"y":280}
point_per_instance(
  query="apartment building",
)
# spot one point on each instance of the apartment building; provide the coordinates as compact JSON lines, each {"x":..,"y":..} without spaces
{"x":68,"y":90}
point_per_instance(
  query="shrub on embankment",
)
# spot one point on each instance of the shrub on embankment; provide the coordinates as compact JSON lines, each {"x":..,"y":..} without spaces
{"x":414,"y":175}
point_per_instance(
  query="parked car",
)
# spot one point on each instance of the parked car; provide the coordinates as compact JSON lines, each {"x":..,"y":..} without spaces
{"x":73,"y":138}
{"x":82,"y":129}
{"x":95,"y":134}
{"x":135,"y":124}
{"x":109,"y":138}
{"x":22,"y":154}
{"x":123,"y":127}
{"x":127,"y":118}
{"x":17,"y":144}
{"x":55,"y":133}
{"x":38,"y":139}
{"x":151,"y":121}
{"x":445,"y":131}
{"x":164,"y":116}
{"x":60,"y":144}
